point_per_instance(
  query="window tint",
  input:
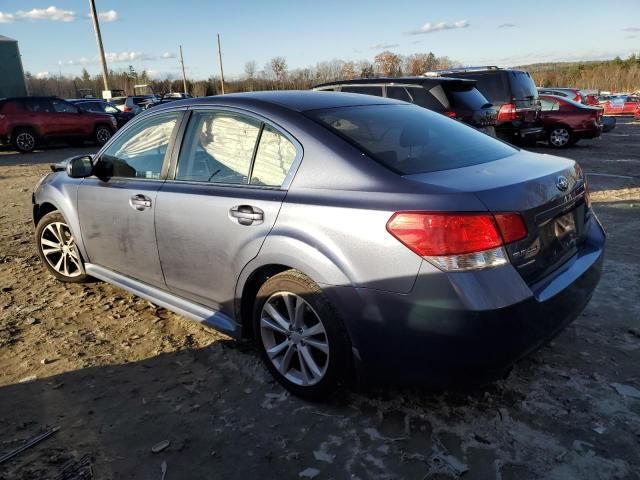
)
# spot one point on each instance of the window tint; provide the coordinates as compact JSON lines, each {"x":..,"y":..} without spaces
{"x":110,"y":108}
{"x":408,"y":139}
{"x":91,"y":106}
{"x":398,"y":93}
{"x":38,"y":105}
{"x":426,"y":99}
{"x":218,"y":148}
{"x":522,"y":86}
{"x":274,"y":157}
{"x":470,"y":99}
{"x":118,"y":101}
{"x":491,"y":86}
{"x":60,"y":106}
{"x":140,"y":151}
{"x":377,"y":91}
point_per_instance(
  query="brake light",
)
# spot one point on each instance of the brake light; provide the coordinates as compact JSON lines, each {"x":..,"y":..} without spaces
{"x":457,"y":241}
{"x":127,"y":109}
{"x":507,"y":112}
{"x":450,"y":114}
{"x":577,"y":97}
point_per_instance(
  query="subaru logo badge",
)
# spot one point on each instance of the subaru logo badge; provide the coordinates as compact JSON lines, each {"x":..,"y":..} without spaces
{"x":562,"y":183}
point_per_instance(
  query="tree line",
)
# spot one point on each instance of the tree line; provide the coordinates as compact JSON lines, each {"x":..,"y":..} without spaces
{"x":612,"y":75}
{"x":274,"y":75}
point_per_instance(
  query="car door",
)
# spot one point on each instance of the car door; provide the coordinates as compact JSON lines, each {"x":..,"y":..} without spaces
{"x":68,"y":119}
{"x":228,"y":184}
{"x":117,"y":213}
{"x":550,"y":112}
{"x":39,"y":112}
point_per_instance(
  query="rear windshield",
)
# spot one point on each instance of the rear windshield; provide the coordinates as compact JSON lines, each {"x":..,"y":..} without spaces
{"x":468,"y":99}
{"x":139,"y":100}
{"x":119,"y":101}
{"x":408,"y":139}
{"x":522,"y":86}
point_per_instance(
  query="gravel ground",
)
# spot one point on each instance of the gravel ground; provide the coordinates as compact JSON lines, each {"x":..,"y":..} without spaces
{"x":118,"y":376}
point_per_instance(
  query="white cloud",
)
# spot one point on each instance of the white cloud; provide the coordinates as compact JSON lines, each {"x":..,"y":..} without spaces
{"x":382,"y":46}
{"x":631,"y":29}
{"x":77,"y":61}
{"x":169,"y":55}
{"x":108,"y":16}
{"x":507,"y":25}
{"x":437,"y":27}
{"x":7,"y":17}
{"x":42,"y":74}
{"x":51,"y":13}
{"x":117,"y":57}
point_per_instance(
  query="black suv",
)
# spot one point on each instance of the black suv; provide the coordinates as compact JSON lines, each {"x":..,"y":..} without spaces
{"x":513,"y":92}
{"x":453,"y":97}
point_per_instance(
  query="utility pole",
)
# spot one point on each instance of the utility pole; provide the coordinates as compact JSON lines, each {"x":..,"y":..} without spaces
{"x":184,"y":76}
{"x":221,"y":69}
{"x":96,"y":27}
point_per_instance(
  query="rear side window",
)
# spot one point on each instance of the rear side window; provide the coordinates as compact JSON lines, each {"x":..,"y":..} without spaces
{"x":91,"y":106}
{"x":491,"y":85}
{"x":399,"y":93}
{"x":218,"y":148}
{"x":377,"y":91}
{"x":139,"y":152}
{"x":522,"y":86}
{"x":38,"y":105}
{"x":274,"y":158}
{"x":60,"y":106}
{"x":408,"y":139}
{"x":426,"y":99}
{"x":549,"y":105}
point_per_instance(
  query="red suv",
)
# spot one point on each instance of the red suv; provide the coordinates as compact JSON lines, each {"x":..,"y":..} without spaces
{"x":30,"y":121}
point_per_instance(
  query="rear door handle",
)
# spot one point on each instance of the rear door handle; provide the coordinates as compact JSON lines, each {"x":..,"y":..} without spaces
{"x":140,"y":202}
{"x":247,"y":215}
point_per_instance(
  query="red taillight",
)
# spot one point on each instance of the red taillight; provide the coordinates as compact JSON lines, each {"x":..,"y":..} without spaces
{"x":507,"y":113}
{"x":577,"y":98}
{"x":450,"y":114}
{"x":126,"y":108}
{"x":431,"y":234}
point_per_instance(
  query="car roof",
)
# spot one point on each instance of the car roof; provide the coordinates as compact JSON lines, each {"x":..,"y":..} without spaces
{"x":393,"y":80}
{"x":296,"y":100}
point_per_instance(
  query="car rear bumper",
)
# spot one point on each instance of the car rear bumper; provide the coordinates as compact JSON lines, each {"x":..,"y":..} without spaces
{"x":465,"y":326}
{"x":522,"y":133}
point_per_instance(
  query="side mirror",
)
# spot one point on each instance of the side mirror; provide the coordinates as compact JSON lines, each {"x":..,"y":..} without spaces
{"x":80,"y":167}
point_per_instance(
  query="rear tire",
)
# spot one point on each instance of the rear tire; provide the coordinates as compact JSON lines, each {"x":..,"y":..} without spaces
{"x":57,"y":249}
{"x":102,"y":134}
{"x":299,"y":337}
{"x":24,"y":140}
{"x":560,"y":137}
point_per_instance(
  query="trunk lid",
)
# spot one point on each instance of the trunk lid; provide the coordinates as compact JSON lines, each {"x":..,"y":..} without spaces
{"x":530,"y":185}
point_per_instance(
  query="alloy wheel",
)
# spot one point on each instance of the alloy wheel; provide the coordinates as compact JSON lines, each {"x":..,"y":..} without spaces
{"x":103,"y":135}
{"x":294,"y":338}
{"x":25,"y":141}
{"x":559,"y":137}
{"x":59,"y":250}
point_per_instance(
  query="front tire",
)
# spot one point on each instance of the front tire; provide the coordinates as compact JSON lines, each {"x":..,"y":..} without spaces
{"x":57,"y":249}
{"x":102,"y":134}
{"x":560,"y":137}
{"x":299,"y":337}
{"x":24,"y":140}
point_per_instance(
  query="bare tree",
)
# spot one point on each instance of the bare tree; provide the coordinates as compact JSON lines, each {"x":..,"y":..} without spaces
{"x":388,"y":63}
{"x":279,"y":68}
{"x":367,"y":69}
{"x":250,"y":69}
{"x":349,"y":71}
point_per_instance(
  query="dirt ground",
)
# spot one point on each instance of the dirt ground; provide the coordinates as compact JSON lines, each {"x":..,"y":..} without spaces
{"x":118,"y":376}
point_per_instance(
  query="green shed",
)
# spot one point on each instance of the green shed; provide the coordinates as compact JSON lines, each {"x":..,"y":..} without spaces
{"x":12,"y":82}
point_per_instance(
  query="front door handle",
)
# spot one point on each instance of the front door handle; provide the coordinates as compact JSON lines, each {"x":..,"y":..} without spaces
{"x":247,"y":215}
{"x":140,"y":202}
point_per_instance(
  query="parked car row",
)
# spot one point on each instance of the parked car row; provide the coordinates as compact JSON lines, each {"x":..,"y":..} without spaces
{"x":351,"y":237}
{"x":500,"y":102}
{"x":27,"y":122}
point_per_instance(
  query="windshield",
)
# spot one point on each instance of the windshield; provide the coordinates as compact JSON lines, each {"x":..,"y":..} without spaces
{"x":409,"y":139}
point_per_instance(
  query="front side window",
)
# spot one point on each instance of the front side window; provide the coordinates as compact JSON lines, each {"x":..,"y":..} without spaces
{"x":408,"y":139}
{"x":139,"y":152}
{"x":218,"y":148}
{"x":60,"y":106}
{"x":274,"y":158}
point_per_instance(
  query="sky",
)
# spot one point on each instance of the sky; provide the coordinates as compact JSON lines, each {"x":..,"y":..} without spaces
{"x":56,"y":36}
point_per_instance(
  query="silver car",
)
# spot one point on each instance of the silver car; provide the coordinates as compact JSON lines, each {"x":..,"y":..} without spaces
{"x":352,"y":237}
